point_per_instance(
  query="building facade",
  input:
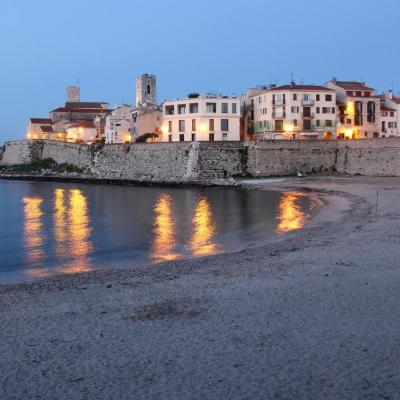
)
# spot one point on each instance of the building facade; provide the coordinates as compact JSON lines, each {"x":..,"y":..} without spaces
{"x":201,"y":118}
{"x":147,"y":121}
{"x":358,"y":109}
{"x":293,"y":112}
{"x":390,"y":115}
{"x":119,"y":124}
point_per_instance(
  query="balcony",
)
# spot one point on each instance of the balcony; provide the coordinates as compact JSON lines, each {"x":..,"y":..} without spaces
{"x":308,"y":102}
{"x":279,"y":102}
{"x":278,"y":114}
{"x":307,"y":115}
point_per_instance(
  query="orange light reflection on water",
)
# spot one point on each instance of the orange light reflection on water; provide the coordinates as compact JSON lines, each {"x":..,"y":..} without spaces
{"x":291,"y":216}
{"x":33,"y":235}
{"x":78,"y":233}
{"x":203,"y":230}
{"x":164,"y":231}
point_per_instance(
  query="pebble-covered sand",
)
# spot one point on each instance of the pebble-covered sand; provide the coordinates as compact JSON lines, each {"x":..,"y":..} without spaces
{"x":312,"y":315}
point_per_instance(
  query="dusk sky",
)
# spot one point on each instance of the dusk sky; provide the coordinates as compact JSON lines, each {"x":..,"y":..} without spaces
{"x":222,"y":46}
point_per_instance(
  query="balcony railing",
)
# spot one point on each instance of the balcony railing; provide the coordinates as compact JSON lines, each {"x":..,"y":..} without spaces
{"x":305,"y":102}
{"x":278,"y":102}
{"x":278,"y":115}
{"x":307,"y":115}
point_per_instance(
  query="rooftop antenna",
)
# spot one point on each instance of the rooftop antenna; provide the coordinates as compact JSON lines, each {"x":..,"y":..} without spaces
{"x":292,"y":81}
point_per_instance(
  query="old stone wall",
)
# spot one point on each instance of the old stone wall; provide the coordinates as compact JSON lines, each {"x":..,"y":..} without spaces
{"x":71,"y":153}
{"x":280,"y":157}
{"x":373,"y":157}
{"x":158,"y":162}
{"x":210,"y":161}
{"x":20,"y":152}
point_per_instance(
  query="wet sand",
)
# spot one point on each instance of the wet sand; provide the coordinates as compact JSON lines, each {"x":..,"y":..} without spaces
{"x":313,"y":314}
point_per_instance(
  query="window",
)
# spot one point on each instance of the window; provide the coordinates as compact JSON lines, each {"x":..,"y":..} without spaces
{"x":317,"y":122}
{"x":193,"y":125}
{"x":224,"y":136}
{"x":181,"y":108}
{"x":318,"y":110}
{"x":306,"y":97}
{"x":193,"y":137}
{"x":182,"y":137}
{"x":181,"y":125}
{"x":348,"y":121}
{"x":169,"y":126}
{"x":294,"y":96}
{"x":148,"y":89}
{"x":224,"y":108}
{"x":328,"y":122}
{"x":169,"y":110}
{"x":358,"y":120}
{"x":295,"y":109}
{"x":194,"y":108}
{"x":371,"y":107}
{"x":211,"y":125}
{"x":333,"y":110}
{"x":211,"y":137}
{"x":317,"y":97}
{"x":328,"y":97}
{"x":279,"y":125}
{"x":234,"y":108}
{"x":326,"y":110}
{"x":211,"y":107}
{"x":391,"y":113}
{"x":358,"y":94}
{"x":260,"y":100}
{"x":295,"y":122}
{"x":169,"y":138}
{"x":358,"y":107}
{"x":224,"y":125}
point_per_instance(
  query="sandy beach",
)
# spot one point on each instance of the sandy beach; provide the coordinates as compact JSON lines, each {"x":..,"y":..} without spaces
{"x":313,"y":314}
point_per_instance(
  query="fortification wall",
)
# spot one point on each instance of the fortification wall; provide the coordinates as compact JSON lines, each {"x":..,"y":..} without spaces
{"x":209,"y":161}
{"x":372,"y":157}
{"x":159,"y":162}
{"x":280,"y":157}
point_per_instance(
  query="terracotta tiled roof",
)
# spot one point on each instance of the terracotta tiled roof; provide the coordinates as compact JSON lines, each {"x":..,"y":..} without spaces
{"x":353,"y":85}
{"x":82,"y":110}
{"x":74,"y":106}
{"x":46,"y":121}
{"x":46,"y":129}
{"x":317,"y":88}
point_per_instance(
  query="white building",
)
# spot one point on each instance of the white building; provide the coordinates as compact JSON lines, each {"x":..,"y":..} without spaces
{"x":292,"y":112}
{"x":119,"y":124}
{"x":201,"y":118}
{"x":81,"y":132}
{"x":390,"y":115}
{"x":358,"y":109}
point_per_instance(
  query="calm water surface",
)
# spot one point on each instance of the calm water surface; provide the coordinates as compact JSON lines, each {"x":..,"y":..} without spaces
{"x":52,"y":228}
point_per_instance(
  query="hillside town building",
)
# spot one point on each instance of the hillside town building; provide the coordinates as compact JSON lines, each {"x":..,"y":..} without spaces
{"x":359,"y":109}
{"x":293,"y":112}
{"x":201,"y":118}
{"x":335,"y":110}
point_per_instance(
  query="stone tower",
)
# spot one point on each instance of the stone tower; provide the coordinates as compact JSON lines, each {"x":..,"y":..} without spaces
{"x":73,"y":94}
{"x":146,"y":90}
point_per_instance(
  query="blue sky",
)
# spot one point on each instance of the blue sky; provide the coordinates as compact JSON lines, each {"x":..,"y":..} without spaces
{"x":206,"y":46}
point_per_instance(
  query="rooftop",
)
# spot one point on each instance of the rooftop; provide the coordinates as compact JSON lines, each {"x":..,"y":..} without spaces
{"x":308,"y":88}
{"x":352,"y":85}
{"x":46,"y":121}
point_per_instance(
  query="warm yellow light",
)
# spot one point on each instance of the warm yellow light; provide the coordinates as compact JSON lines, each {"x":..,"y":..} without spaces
{"x":350,"y":108}
{"x":164,"y":245}
{"x":128,"y":138}
{"x":291,"y":217}
{"x":164,"y":129}
{"x":348,"y":133}
{"x":288,"y":127}
{"x":204,"y":230}
{"x":29,"y":135}
{"x":80,"y":130}
{"x":35,"y":136}
{"x":203,"y":127}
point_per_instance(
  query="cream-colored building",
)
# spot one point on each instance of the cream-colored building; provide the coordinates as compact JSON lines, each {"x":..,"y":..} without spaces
{"x":201,"y":118}
{"x":358,"y":109}
{"x":147,"y":121}
{"x":81,"y":132}
{"x":119,"y":123}
{"x":293,"y":112}
{"x":390,"y":115}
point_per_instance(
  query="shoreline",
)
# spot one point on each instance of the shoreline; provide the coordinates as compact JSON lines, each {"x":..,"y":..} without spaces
{"x":321,"y":199}
{"x":301,"y":316}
